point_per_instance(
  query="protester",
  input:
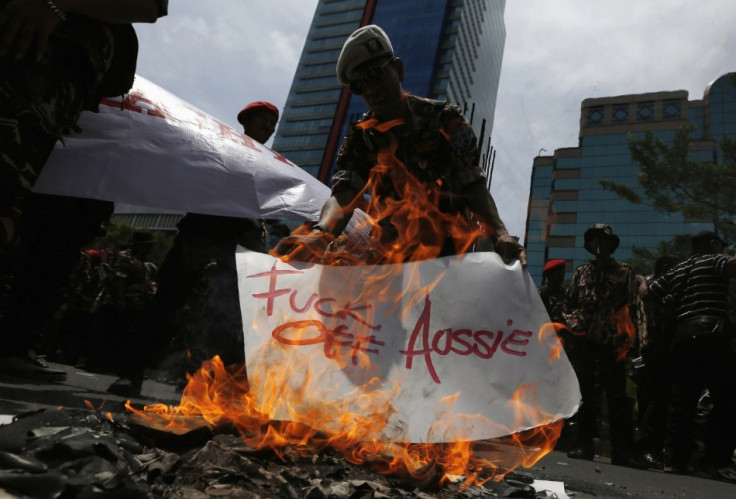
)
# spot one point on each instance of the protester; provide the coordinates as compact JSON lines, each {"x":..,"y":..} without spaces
{"x":651,"y":368}
{"x":57,"y":59}
{"x":80,"y":303}
{"x":552,"y":291}
{"x":197,"y":303}
{"x":702,"y":354}
{"x":601,"y":308}
{"x":126,"y":294}
{"x":434,"y":141}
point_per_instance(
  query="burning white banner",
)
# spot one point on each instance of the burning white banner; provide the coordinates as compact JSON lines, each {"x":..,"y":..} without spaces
{"x":450,"y":349}
{"x":154,"y":149}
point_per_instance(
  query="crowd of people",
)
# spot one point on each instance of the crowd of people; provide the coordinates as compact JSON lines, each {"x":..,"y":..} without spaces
{"x":669,"y":334}
{"x":59,"y":58}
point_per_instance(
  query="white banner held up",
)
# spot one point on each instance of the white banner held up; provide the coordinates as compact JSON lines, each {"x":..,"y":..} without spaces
{"x":154,"y":149}
{"x":457,"y":348}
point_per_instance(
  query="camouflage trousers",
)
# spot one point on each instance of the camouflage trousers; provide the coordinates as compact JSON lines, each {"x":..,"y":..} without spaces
{"x":39,"y":101}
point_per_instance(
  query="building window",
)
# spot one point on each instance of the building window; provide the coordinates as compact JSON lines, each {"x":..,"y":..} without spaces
{"x":671,"y":109}
{"x":567,"y":195}
{"x":561,"y":241}
{"x":645,"y":111}
{"x":620,"y":113}
{"x":595,"y":115}
{"x":566,"y":218}
{"x":566,"y":173}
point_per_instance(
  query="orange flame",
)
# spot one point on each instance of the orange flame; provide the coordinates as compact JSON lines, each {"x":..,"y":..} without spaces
{"x":262,"y":406}
{"x":624,"y":327}
{"x":219,"y":396}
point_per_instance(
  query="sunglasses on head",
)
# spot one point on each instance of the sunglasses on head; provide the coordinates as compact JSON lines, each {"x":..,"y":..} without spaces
{"x":373,"y":74}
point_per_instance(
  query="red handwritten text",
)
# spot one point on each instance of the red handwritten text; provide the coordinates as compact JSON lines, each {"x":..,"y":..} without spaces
{"x":137,"y":103}
{"x":292,"y":333}
{"x":463,"y":342}
{"x":339,"y":337}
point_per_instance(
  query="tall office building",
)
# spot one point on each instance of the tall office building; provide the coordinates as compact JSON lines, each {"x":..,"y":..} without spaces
{"x":452,"y":50}
{"x":566,"y":195}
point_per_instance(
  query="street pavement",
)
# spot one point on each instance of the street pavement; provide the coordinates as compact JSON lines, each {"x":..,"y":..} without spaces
{"x":581,"y":479}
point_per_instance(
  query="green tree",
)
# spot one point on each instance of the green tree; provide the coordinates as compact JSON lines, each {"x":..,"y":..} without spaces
{"x":644,"y":258}
{"x":672,"y":182}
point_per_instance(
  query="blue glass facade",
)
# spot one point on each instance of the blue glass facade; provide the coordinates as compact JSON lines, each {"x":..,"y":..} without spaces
{"x":452,"y":50}
{"x":566,"y":196}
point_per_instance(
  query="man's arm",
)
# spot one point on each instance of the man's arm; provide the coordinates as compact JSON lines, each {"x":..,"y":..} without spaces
{"x":481,"y":203}
{"x":336,"y":212}
{"x":25,"y":25}
{"x":115,"y":11}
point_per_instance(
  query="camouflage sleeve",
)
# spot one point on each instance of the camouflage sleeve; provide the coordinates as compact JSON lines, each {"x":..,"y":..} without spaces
{"x":352,"y":163}
{"x":123,"y":264}
{"x":461,"y":138}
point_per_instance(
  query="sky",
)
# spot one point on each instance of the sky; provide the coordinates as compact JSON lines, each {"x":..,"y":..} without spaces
{"x":220,"y":55}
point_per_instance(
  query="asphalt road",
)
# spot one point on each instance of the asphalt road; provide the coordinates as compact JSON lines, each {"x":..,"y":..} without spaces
{"x":581,"y":479}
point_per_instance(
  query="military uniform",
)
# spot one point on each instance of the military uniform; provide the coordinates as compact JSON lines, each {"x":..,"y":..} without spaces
{"x":600,"y":300}
{"x":39,"y":102}
{"x":435,"y":150}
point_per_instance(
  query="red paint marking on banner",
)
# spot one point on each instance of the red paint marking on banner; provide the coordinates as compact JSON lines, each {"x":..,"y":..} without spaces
{"x":332,"y":338}
{"x":137,"y":103}
{"x":315,"y":302}
{"x":422,"y":343}
{"x":272,"y":292}
{"x":463,"y":342}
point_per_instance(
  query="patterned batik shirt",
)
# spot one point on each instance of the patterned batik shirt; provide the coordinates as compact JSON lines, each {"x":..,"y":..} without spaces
{"x":600,"y":301}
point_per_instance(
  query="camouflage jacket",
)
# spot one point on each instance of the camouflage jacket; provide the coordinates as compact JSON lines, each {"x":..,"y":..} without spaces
{"x":554,"y":301}
{"x":437,"y":145}
{"x":601,"y":303}
{"x":130,"y":284}
{"x":84,"y":285}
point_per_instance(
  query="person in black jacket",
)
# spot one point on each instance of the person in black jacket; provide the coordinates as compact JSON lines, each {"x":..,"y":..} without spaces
{"x":197,"y":303}
{"x":57,"y":59}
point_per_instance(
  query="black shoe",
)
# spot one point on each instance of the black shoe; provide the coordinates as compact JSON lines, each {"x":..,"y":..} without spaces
{"x":126,"y":387}
{"x":581,"y":453}
{"x":722,"y":474}
{"x":30,"y":367}
{"x":653,"y":461}
{"x":634,"y":461}
{"x":682,"y":469}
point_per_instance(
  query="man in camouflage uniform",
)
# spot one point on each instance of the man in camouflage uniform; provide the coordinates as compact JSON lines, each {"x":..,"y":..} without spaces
{"x":601,"y":307}
{"x":57,"y":59}
{"x":436,"y":153}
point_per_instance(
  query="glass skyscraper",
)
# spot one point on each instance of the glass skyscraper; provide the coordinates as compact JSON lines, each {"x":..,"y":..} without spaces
{"x":452,"y":50}
{"x":566,"y":196}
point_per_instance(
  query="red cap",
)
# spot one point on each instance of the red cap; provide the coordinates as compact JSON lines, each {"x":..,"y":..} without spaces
{"x":257,"y":106}
{"x":553,"y":264}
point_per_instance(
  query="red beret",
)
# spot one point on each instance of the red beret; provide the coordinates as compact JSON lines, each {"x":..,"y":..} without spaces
{"x":553,"y":264}
{"x":257,"y":106}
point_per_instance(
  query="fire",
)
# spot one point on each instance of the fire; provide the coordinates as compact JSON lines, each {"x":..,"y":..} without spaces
{"x":275,"y":409}
{"x":625,"y":328}
{"x":222,"y":396}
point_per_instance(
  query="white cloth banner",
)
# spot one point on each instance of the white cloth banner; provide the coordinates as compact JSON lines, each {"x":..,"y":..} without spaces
{"x":154,"y":149}
{"x":457,"y":348}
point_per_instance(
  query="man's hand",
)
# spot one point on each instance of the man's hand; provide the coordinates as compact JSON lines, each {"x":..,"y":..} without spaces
{"x":309,"y":247}
{"x":509,"y":249}
{"x":25,"y":27}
